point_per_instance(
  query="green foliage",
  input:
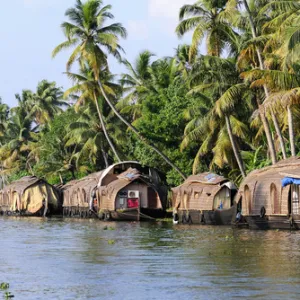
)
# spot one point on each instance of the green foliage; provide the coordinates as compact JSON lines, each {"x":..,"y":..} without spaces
{"x":199,"y":110}
{"x":18,"y":175}
{"x":4,"y":285}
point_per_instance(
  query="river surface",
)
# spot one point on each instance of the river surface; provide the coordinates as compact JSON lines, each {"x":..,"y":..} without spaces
{"x":89,"y":259}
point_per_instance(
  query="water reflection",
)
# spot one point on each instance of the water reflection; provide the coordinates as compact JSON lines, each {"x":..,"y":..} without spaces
{"x":87,"y":259}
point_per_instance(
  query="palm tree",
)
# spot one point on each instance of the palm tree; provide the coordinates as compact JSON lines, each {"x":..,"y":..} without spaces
{"x":17,"y":132}
{"x":224,"y":108}
{"x":92,"y":41}
{"x":4,"y":110}
{"x":267,"y":15}
{"x":87,"y":134}
{"x":216,"y":82}
{"x":136,"y":84}
{"x":89,"y":89}
{"x":206,"y":18}
{"x":46,"y":102}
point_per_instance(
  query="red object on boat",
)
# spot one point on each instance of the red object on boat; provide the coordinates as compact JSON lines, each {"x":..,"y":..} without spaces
{"x":132,"y":202}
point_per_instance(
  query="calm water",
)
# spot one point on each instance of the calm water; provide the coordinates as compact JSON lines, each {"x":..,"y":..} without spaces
{"x":78,"y":259}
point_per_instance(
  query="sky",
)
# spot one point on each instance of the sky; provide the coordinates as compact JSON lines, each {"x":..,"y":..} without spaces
{"x":30,"y":29}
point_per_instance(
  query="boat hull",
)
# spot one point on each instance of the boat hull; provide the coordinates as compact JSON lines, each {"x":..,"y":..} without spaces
{"x":134,"y":214}
{"x":78,"y":212}
{"x":274,"y":222}
{"x":208,"y":217}
{"x":6,"y":211}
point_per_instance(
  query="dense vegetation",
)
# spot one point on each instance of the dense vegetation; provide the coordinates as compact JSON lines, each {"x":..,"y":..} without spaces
{"x":231,"y":111}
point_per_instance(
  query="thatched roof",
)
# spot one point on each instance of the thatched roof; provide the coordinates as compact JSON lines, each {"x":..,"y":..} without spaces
{"x":123,"y":180}
{"x":284,"y":168}
{"x":206,"y":178}
{"x":87,"y":183}
{"x":199,"y":191}
{"x":22,"y":184}
{"x":257,"y":186}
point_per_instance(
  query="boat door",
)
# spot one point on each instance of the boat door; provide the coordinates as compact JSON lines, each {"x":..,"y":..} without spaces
{"x":295,"y":199}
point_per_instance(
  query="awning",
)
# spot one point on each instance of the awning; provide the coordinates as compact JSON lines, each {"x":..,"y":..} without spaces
{"x":289,"y":180}
{"x":230,"y":185}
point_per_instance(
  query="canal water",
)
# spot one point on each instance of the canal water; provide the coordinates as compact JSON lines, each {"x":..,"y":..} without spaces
{"x":89,"y":259}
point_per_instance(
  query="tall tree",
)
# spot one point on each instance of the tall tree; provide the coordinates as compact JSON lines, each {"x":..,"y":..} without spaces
{"x":206,"y":18}
{"x":93,"y":41}
{"x":89,"y":90}
{"x":46,"y":102}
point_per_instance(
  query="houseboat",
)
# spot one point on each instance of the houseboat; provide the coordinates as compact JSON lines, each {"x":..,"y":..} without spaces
{"x":89,"y":196}
{"x":269,"y":197}
{"x":30,"y":196}
{"x":79,"y":196}
{"x":206,"y":198}
{"x":132,"y":196}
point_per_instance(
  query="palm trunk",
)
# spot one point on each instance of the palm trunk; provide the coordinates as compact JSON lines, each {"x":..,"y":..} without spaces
{"x":234,"y":147}
{"x":61,"y":179}
{"x":278,"y":131}
{"x":104,"y":130}
{"x":262,"y":115}
{"x":143,"y":139}
{"x":105,"y":158}
{"x":30,"y":168}
{"x":268,"y":133}
{"x":291,"y":130}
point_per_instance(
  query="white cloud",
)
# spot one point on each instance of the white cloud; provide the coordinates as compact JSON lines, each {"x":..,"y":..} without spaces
{"x":138,"y":30}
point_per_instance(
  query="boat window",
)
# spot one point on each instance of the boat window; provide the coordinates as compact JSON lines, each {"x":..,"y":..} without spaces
{"x":295,"y":199}
{"x":247,"y":195}
{"x":274,"y":199}
{"x":222,"y":199}
{"x":197,"y":193}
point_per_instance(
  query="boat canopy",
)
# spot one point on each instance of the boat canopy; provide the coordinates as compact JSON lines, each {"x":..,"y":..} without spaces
{"x":289,"y":180}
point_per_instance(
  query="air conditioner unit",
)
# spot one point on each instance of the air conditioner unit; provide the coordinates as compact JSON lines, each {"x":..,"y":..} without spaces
{"x":133,"y":194}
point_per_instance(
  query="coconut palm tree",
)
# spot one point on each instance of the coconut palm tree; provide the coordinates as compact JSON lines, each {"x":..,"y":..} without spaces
{"x":4,"y":110}
{"x":216,"y":82}
{"x":135,"y":84}
{"x":206,"y":18}
{"x":89,"y":89}
{"x":284,"y":87}
{"x":93,"y":41}
{"x":46,"y":102}
{"x":264,"y":19}
{"x":17,"y":132}
{"x":87,"y":134}
{"x":224,"y":108}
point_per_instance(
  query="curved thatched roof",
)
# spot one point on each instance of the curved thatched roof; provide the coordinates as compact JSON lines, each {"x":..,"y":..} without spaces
{"x":256,"y":187}
{"x":206,"y":178}
{"x":154,"y":175}
{"x":123,"y":180}
{"x":202,"y":179}
{"x":86,"y":183}
{"x":289,"y":167}
{"x":199,"y":191}
{"x":22,"y":184}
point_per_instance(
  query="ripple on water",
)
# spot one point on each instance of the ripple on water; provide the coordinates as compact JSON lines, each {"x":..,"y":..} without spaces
{"x":75,"y":259}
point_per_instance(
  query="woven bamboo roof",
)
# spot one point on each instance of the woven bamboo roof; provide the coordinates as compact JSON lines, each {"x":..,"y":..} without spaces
{"x":123,"y":180}
{"x":22,"y":184}
{"x":205,"y":178}
{"x":287,"y":167}
{"x":87,"y":183}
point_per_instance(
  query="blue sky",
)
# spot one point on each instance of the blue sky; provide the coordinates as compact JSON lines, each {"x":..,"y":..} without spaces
{"x":30,"y":29}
